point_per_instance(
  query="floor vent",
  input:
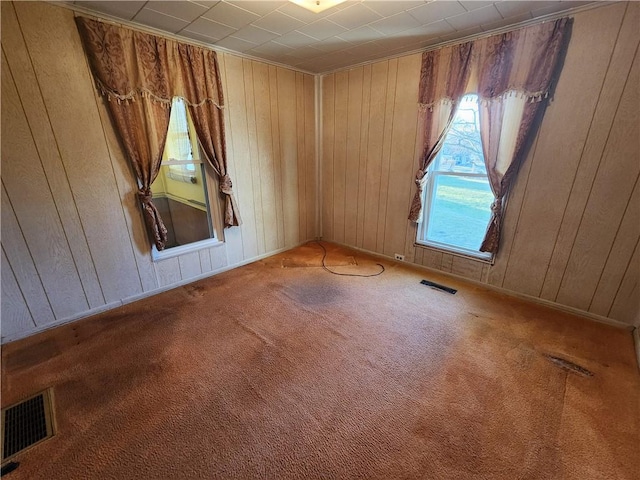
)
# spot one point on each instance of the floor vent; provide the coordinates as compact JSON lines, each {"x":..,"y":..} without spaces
{"x":26,"y":424}
{"x":437,"y":286}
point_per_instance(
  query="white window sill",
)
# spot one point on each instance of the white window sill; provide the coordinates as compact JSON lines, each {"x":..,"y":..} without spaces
{"x":476,"y":256}
{"x":158,"y":256}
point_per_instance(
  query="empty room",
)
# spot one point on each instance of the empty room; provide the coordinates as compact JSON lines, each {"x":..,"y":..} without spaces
{"x":320,"y":239}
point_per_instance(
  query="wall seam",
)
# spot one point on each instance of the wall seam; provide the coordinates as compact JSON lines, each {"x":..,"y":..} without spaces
{"x":393,"y":110}
{"x":575,"y":175}
{"x":604,"y":267}
{"x":524,"y":197}
{"x":24,"y":299}
{"x":595,"y":175}
{"x":626,"y":270}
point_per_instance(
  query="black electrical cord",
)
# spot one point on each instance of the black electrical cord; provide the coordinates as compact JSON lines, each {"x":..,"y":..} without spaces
{"x":324,"y":266}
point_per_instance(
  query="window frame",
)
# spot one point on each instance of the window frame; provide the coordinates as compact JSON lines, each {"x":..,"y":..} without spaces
{"x":428,"y":200}
{"x":210,"y":185}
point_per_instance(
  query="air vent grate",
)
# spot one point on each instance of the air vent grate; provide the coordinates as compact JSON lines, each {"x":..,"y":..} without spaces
{"x":437,"y":286}
{"x":26,"y":423}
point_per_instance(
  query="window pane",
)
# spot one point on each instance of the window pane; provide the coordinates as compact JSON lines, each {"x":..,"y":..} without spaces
{"x":460,"y":211}
{"x":178,"y":144}
{"x":183,"y":208}
{"x":457,"y":195}
{"x":180,"y":191}
{"x":462,"y":150}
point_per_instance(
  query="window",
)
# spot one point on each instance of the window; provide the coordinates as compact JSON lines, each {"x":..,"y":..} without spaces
{"x":180,"y":190}
{"x":457,"y":203}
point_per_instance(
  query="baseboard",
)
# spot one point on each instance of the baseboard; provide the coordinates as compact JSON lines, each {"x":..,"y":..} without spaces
{"x":540,"y":301}
{"x":103,"y":308}
{"x":133,"y":298}
{"x":56,"y":323}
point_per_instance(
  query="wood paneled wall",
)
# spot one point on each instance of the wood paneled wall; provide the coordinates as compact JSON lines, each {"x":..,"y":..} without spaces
{"x":73,"y":239}
{"x":572,"y":221}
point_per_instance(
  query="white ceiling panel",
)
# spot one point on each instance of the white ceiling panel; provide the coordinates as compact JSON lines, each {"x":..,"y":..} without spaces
{"x":475,"y":4}
{"x":394,"y":43}
{"x":210,"y":29}
{"x":260,"y":7}
{"x":509,"y":9}
{"x":197,"y":36}
{"x":470,"y":19}
{"x":305,"y":53}
{"x":154,"y":19}
{"x":396,"y":23}
{"x":205,"y":3}
{"x":359,"y":35}
{"x":333,"y":44}
{"x":507,"y":21}
{"x":272,"y":50}
{"x":303,"y":14}
{"x":295,"y":40}
{"x":354,"y":16}
{"x":430,"y":30}
{"x":187,"y":11}
{"x":346,"y":34}
{"x":125,"y":10}
{"x":279,"y":23}
{"x":254,"y":34}
{"x":235,"y":44}
{"x":436,"y":11}
{"x":365,"y":50}
{"x":387,"y":9}
{"x":231,"y":15}
{"x":322,"y":29}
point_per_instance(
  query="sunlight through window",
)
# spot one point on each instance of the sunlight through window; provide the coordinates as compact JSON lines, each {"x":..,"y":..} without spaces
{"x":457,"y":194}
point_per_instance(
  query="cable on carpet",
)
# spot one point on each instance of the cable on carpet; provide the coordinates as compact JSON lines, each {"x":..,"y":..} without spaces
{"x":324,"y":266}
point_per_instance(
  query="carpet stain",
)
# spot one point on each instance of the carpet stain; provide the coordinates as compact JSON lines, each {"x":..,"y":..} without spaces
{"x":317,"y":262}
{"x":569,"y":366}
{"x":33,"y":355}
{"x":195,"y":291}
{"x":313,"y":293}
{"x":522,"y":355}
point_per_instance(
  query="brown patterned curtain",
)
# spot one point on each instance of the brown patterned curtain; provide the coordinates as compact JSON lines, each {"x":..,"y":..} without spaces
{"x":139,"y":74}
{"x":512,"y":74}
{"x":201,"y":83}
{"x":142,"y":122}
{"x":514,"y":79}
{"x":443,"y":80}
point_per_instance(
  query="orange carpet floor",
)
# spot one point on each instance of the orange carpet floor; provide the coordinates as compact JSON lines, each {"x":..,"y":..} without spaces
{"x":281,"y":370}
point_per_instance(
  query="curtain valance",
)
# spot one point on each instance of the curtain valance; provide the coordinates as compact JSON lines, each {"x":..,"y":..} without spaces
{"x":444,"y":75}
{"x":517,"y":63}
{"x":128,"y":64}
